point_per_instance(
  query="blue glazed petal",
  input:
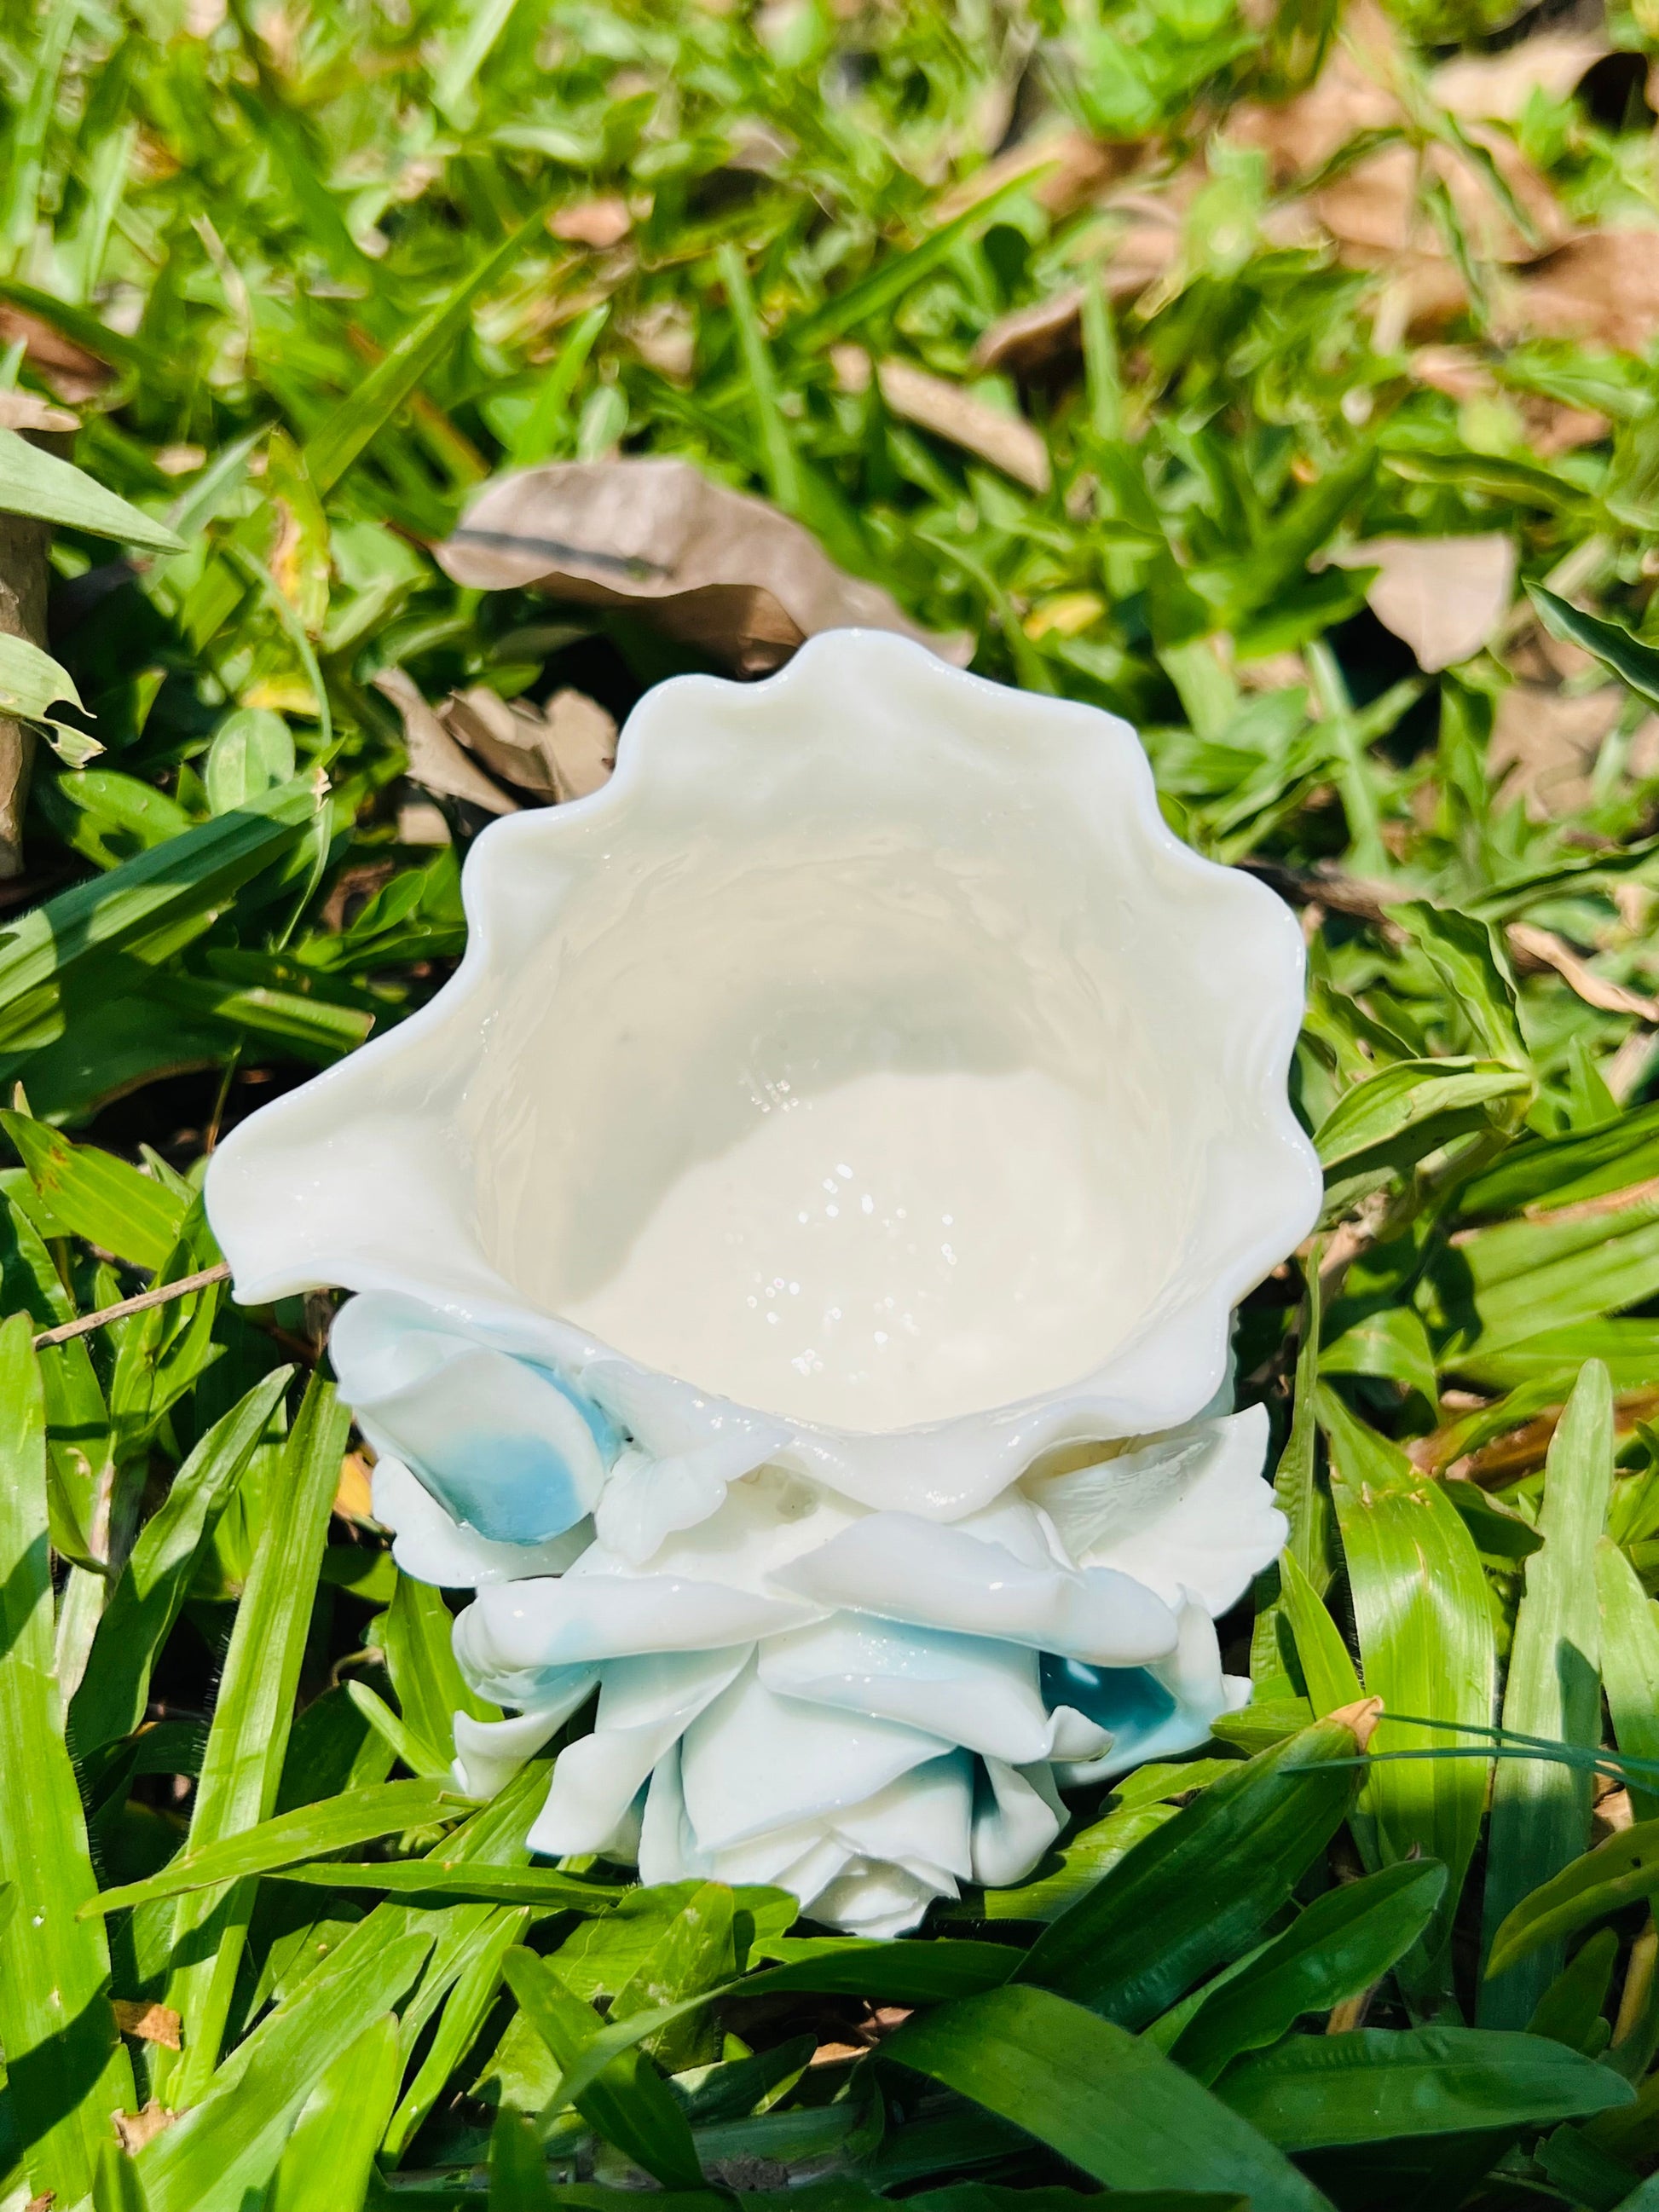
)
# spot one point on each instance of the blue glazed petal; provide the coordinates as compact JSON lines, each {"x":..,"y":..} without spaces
{"x":502,"y":1444}
{"x":1129,"y":1701}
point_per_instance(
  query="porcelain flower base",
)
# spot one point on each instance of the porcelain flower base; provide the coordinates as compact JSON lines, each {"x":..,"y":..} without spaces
{"x":795,"y":1260}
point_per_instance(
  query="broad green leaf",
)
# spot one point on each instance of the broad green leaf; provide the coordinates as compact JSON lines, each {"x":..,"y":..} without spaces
{"x":97,"y":1196}
{"x":1541,"y":1812}
{"x":627,"y":2102}
{"x":1327,"y":1669}
{"x":1464,"y":954}
{"x":518,"y":2180}
{"x":1630,"y":1664}
{"x":1565,"y":1170}
{"x":1630,"y":661}
{"x":251,"y":752}
{"x":115,"y":2183}
{"x":1426,"y":1647}
{"x":114,"y":1689}
{"x":387,"y":1808}
{"x":881,"y":1972}
{"x":243,"y":1764}
{"x":56,"y":2025}
{"x":31,"y":684}
{"x":225,"y":2149}
{"x":1104,"y":2100}
{"x":1374,"y":2083}
{"x":1621,"y":1871}
{"x":1571,"y":2009}
{"x":1201,"y":1889}
{"x":327,"y":2162}
{"x":1391,"y":1342}
{"x":1139,"y":1805}
{"x":1336,"y":1948}
{"x":35,"y":482}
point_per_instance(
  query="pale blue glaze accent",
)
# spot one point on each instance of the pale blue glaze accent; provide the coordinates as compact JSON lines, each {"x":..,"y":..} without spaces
{"x":504,"y":1445}
{"x":1130,"y":1701}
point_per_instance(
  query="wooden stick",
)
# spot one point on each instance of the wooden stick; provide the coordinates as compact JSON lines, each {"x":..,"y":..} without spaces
{"x":163,"y":1295}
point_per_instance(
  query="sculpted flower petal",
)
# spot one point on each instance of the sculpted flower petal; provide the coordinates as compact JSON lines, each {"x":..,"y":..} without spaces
{"x":434,"y":1548}
{"x":501,"y":1445}
{"x":756,"y":1762}
{"x":515,"y":1626}
{"x":644,"y":1706}
{"x":1157,"y":1712}
{"x":1017,"y":1815}
{"x":488,"y":1753}
{"x":907,"y":1569}
{"x":1187,"y":1511}
{"x":980,"y":1694}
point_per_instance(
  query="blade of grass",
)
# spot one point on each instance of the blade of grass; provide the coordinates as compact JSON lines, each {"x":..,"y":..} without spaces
{"x":66,"y":2068}
{"x":242,"y":1766}
{"x":1540,"y":1814}
{"x":362,"y":418}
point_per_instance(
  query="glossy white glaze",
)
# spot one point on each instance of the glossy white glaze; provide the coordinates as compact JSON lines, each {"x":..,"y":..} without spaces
{"x":886,"y":982}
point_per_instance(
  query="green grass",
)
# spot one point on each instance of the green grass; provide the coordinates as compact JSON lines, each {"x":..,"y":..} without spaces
{"x":310,"y":276}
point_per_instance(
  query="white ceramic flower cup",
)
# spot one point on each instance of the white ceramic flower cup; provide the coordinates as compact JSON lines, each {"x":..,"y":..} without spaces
{"x":845,"y":1129}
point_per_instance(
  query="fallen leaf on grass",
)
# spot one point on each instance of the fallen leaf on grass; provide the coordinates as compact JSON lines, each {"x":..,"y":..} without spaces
{"x":150,"y":2023}
{"x":1353,"y":92}
{"x":1495,"y":87}
{"x":1542,"y":948}
{"x":134,"y":2130}
{"x":1443,"y":595}
{"x":354,"y":1498}
{"x":933,"y":403}
{"x":1081,"y":168}
{"x":1603,"y":287}
{"x":27,"y":410}
{"x":435,"y":761}
{"x":563,"y":750}
{"x":597,"y":223}
{"x":1544,"y":746}
{"x":73,"y":374}
{"x":713,"y":568}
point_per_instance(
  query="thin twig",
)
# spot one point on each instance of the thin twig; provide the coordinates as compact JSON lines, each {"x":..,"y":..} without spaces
{"x":163,"y":1294}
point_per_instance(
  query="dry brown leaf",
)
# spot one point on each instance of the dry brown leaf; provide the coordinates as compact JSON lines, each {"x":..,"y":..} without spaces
{"x":1080,"y":168}
{"x":597,"y":223}
{"x":1547,"y":950}
{"x":435,"y":758}
{"x":421,"y":823}
{"x":580,"y":741}
{"x":353,"y":1495}
{"x":1544,"y":746}
{"x":151,"y":2023}
{"x":1353,"y":92}
{"x":713,"y":568}
{"x":950,"y":413}
{"x":1495,"y":87}
{"x":664,"y":337}
{"x":1373,"y":210}
{"x":134,"y":2130}
{"x":1443,"y":595}
{"x":1030,"y":338}
{"x":1603,"y":287}
{"x":73,"y":374}
{"x":564,"y":751}
{"x":27,"y":410}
